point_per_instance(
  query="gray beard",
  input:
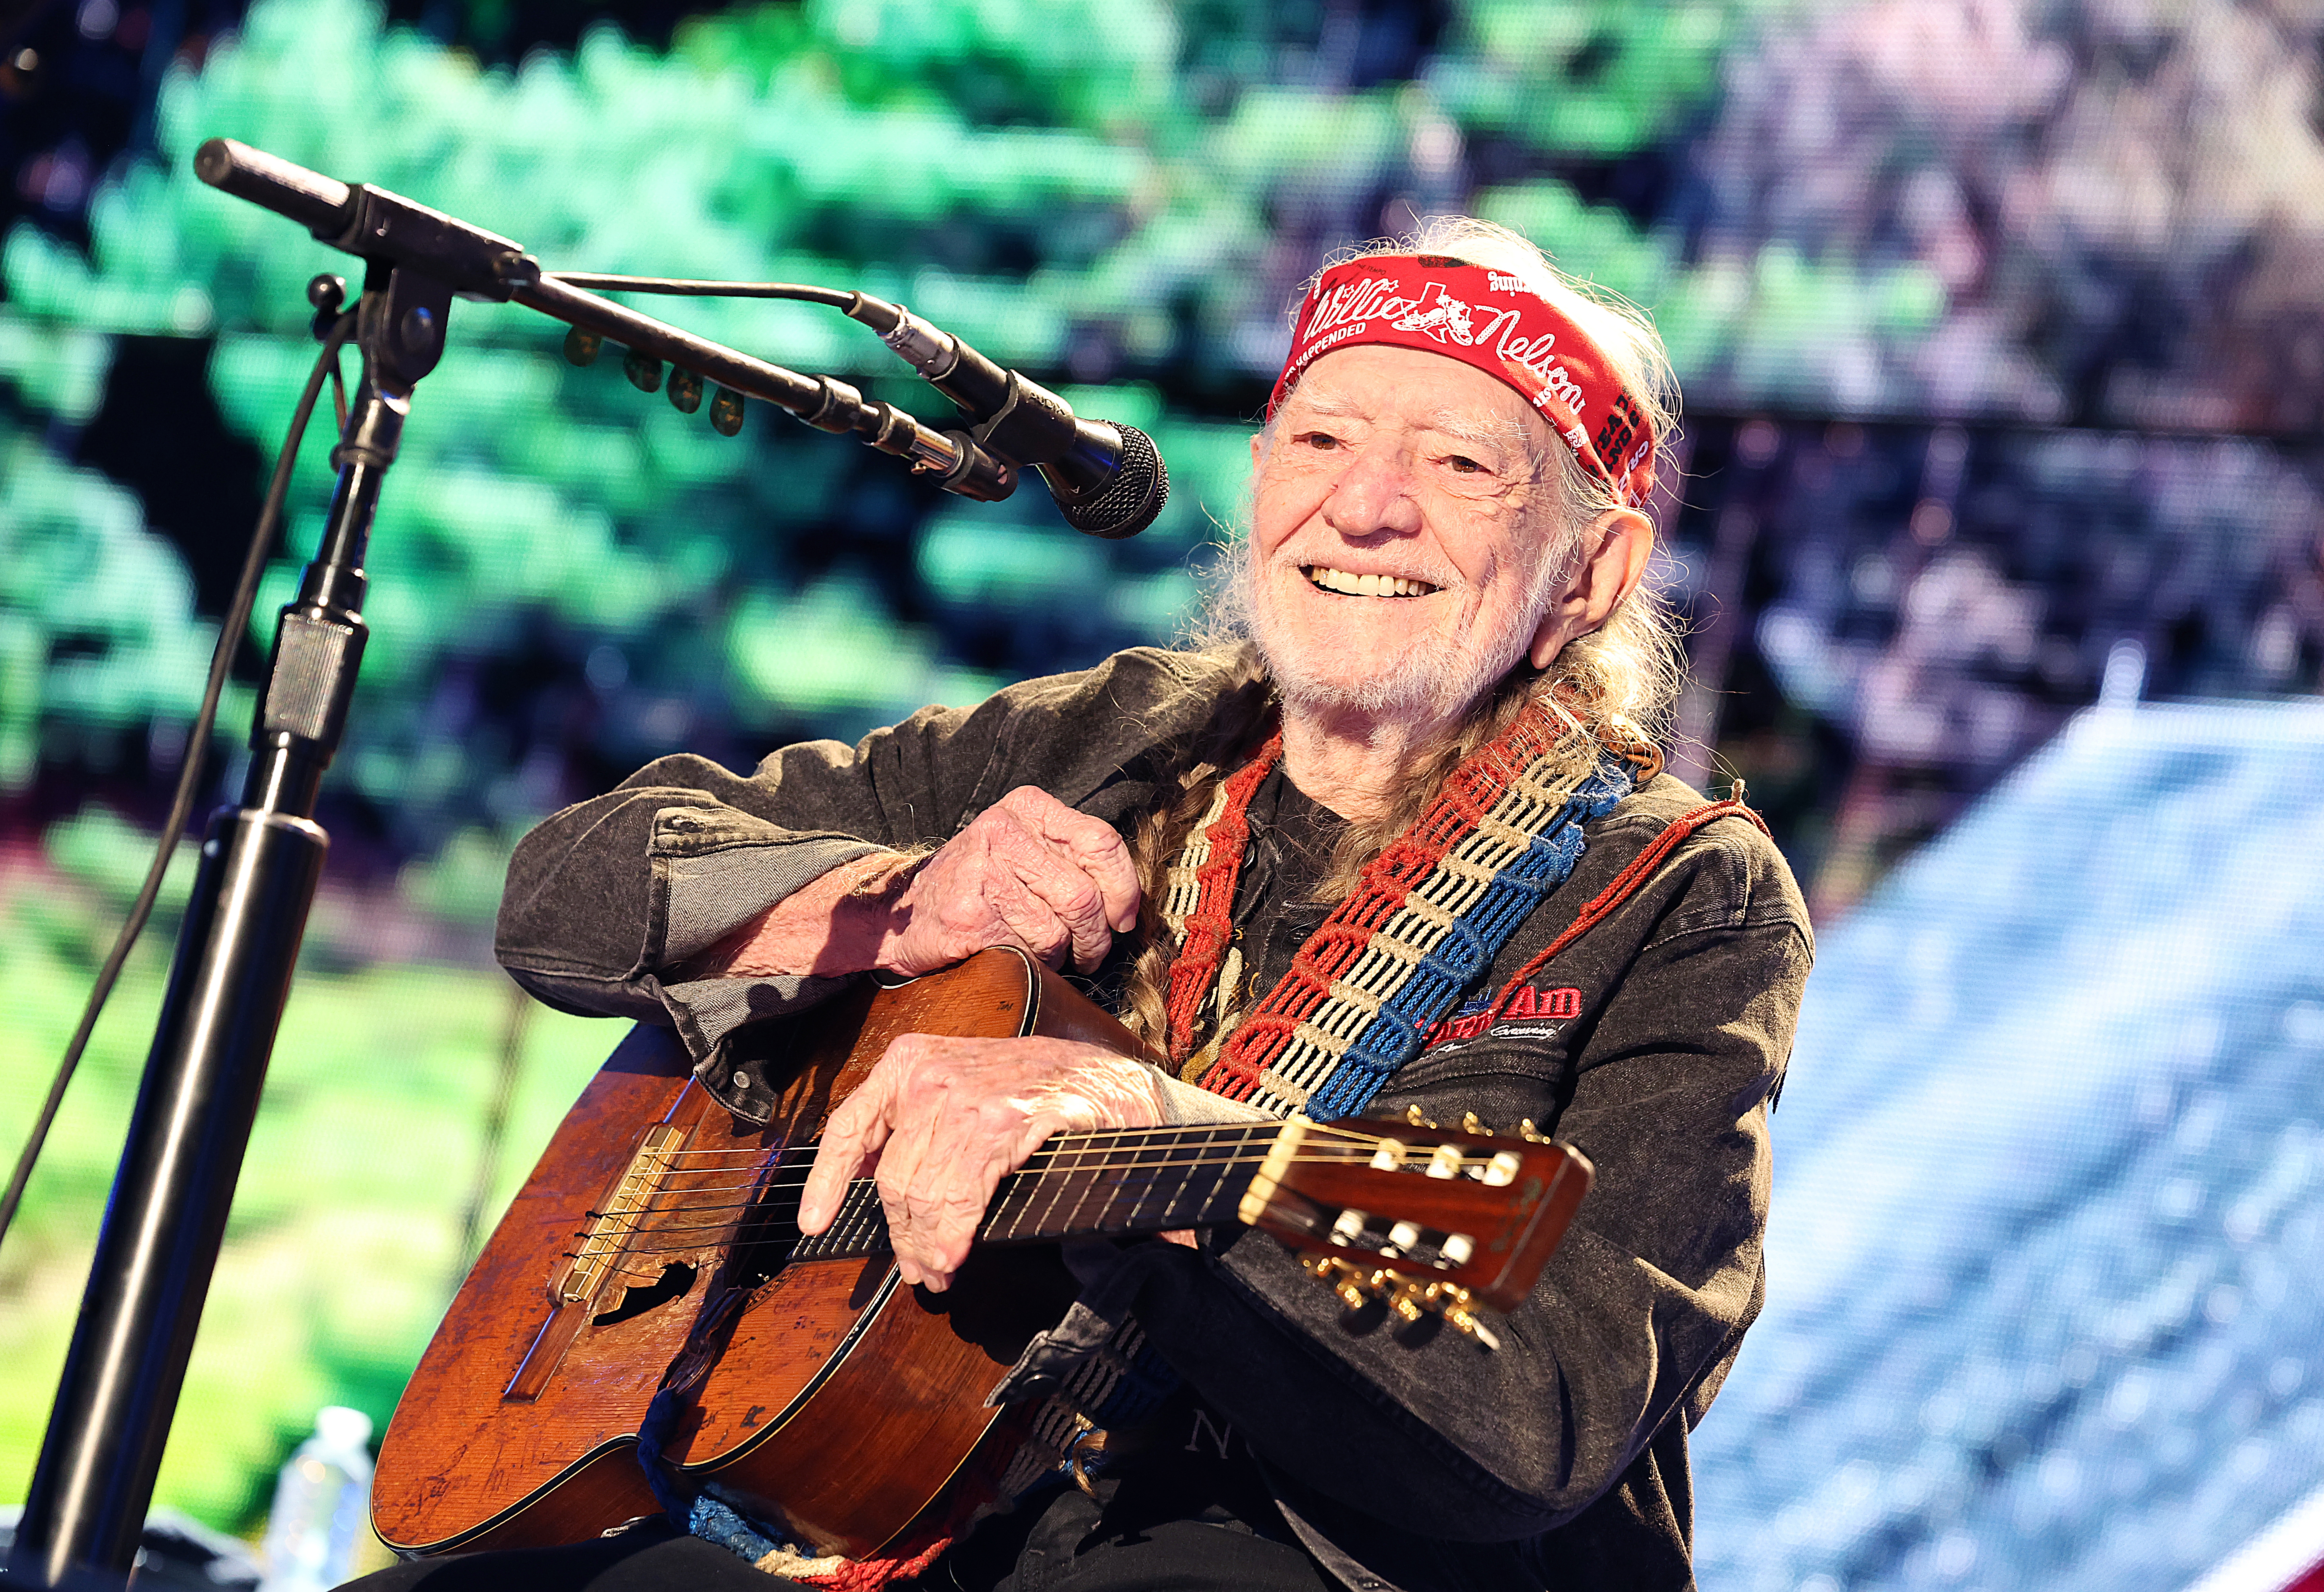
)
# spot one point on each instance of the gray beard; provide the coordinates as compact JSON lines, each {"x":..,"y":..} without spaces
{"x":1437,"y":681}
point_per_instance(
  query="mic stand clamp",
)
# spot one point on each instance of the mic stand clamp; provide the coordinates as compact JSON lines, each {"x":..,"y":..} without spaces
{"x":260,"y":862}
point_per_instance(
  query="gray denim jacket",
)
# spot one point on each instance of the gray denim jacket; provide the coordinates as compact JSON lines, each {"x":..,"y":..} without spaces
{"x":1655,"y":1045}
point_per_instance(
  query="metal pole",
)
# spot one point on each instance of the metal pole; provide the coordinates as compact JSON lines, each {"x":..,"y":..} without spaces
{"x":260,"y":862}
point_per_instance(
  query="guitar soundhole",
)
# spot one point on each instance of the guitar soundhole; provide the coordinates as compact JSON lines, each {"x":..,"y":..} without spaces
{"x":675,"y":1282}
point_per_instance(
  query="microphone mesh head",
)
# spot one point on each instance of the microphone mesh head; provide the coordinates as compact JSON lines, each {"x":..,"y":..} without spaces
{"x":1137,"y":494}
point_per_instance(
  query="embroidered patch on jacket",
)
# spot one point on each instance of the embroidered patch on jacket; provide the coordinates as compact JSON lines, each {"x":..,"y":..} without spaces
{"x":1476,"y":1014}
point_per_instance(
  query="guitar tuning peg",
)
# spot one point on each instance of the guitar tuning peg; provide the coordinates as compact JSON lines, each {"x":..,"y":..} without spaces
{"x":1413,"y":1115}
{"x":685,"y":390}
{"x":643,"y":370}
{"x":1466,"y":1324}
{"x":1471,"y":1124}
{"x":1354,"y":1287}
{"x":1530,"y":1133}
{"x":581,"y":347}
{"x":726,"y":411}
{"x":1409,"y":1305}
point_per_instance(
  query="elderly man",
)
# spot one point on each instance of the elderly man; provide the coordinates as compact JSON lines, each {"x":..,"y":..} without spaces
{"x":1441,"y":663}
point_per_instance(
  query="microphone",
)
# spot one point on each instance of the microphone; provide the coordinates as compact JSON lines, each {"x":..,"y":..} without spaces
{"x":1107,"y":479}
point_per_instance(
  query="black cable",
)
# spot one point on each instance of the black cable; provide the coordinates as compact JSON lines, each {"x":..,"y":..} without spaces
{"x":237,"y":620}
{"x":595,"y":283}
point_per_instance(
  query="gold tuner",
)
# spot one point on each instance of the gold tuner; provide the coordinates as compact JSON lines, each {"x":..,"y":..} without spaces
{"x":685,"y":390}
{"x":1466,"y":1324}
{"x":1471,"y":1124}
{"x":1530,"y":1133}
{"x":581,"y":347}
{"x":1413,"y":1115}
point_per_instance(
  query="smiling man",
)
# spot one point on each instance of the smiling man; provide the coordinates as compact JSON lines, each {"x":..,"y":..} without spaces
{"x":1395,"y":836}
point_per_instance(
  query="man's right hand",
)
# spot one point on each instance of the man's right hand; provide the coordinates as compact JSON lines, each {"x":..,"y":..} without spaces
{"x":1027,"y":871}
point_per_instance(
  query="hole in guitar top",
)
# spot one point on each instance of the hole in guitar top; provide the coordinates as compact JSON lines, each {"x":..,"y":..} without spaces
{"x":675,"y":1282}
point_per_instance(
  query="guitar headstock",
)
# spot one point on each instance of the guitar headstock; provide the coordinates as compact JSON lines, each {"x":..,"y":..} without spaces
{"x":1430,"y":1219}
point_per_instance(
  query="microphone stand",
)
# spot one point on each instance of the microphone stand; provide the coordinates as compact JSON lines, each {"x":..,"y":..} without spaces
{"x":260,"y":860}
{"x":260,"y":863}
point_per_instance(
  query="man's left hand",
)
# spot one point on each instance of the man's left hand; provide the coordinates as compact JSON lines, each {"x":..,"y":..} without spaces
{"x":938,"y":1123}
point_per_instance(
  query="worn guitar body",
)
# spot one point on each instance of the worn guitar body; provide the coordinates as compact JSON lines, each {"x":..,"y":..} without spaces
{"x":819,"y":1395}
{"x":840,"y":1403}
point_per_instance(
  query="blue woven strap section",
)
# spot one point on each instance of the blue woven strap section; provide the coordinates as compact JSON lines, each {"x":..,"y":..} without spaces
{"x":715,"y":1522}
{"x":1393,"y":1036}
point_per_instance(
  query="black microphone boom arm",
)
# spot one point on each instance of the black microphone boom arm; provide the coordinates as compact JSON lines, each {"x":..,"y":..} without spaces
{"x":379,"y":225}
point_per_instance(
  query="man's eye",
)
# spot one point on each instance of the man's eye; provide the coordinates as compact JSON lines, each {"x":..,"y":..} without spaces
{"x":1324,"y":439}
{"x":1461,"y":464}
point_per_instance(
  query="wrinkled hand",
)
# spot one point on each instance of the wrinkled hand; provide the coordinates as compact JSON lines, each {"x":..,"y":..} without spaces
{"x":1027,"y":871}
{"x":938,"y":1123}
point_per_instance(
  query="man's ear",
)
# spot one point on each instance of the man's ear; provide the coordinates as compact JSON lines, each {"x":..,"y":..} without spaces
{"x":1615,"y":547}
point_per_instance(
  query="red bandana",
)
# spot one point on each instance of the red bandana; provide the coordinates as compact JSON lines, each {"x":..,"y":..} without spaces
{"x":1488,"y":319}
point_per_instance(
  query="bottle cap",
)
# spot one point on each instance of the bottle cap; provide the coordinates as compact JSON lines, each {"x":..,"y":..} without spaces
{"x":341,"y":1427}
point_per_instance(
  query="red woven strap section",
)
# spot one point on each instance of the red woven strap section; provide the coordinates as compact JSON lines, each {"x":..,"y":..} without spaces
{"x":1211,"y":923}
{"x":1468,"y":793}
{"x":870,"y":1575}
{"x":1624,"y":885}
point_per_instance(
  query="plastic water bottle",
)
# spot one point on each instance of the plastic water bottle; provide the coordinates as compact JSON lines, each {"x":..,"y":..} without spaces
{"x":320,"y":1505}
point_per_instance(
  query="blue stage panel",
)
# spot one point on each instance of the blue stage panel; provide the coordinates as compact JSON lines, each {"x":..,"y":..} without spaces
{"x":2050,"y":1188}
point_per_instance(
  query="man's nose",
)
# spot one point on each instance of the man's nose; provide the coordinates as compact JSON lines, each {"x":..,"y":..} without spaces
{"x":1374,"y":493}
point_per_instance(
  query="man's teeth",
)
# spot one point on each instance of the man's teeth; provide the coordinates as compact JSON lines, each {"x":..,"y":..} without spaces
{"x":1348,"y":585}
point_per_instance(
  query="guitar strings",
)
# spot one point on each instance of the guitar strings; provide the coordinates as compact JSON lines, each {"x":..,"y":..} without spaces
{"x":1150,"y":1171}
{"x":1034,"y":1168}
{"x":861,"y":1202}
{"x":1180,"y":1136}
{"x":1046,"y":1161}
{"x":643,"y":1223}
{"x":861,"y":1195}
{"x":1096,"y":1151}
{"x":1050,"y":1157}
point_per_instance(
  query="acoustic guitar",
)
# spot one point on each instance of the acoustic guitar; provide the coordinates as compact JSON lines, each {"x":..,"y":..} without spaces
{"x":840,"y":1404}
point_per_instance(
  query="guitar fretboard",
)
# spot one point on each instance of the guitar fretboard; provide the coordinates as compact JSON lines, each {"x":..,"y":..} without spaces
{"x":1123,"y":1181}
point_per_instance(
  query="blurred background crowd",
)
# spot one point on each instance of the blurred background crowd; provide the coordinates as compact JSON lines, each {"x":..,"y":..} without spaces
{"x":1996,"y":522}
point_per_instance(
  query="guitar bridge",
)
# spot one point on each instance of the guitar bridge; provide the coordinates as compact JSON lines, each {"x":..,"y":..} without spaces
{"x":609,"y":1237}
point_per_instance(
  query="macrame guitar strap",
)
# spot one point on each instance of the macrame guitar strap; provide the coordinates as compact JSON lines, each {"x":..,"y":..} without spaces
{"x":1425,"y":919}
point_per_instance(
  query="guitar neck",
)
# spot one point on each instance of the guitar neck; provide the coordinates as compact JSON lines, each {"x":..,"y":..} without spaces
{"x":1119,"y":1181}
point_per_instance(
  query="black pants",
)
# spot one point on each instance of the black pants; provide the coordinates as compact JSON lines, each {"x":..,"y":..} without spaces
{"x":1063,"y":1542}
